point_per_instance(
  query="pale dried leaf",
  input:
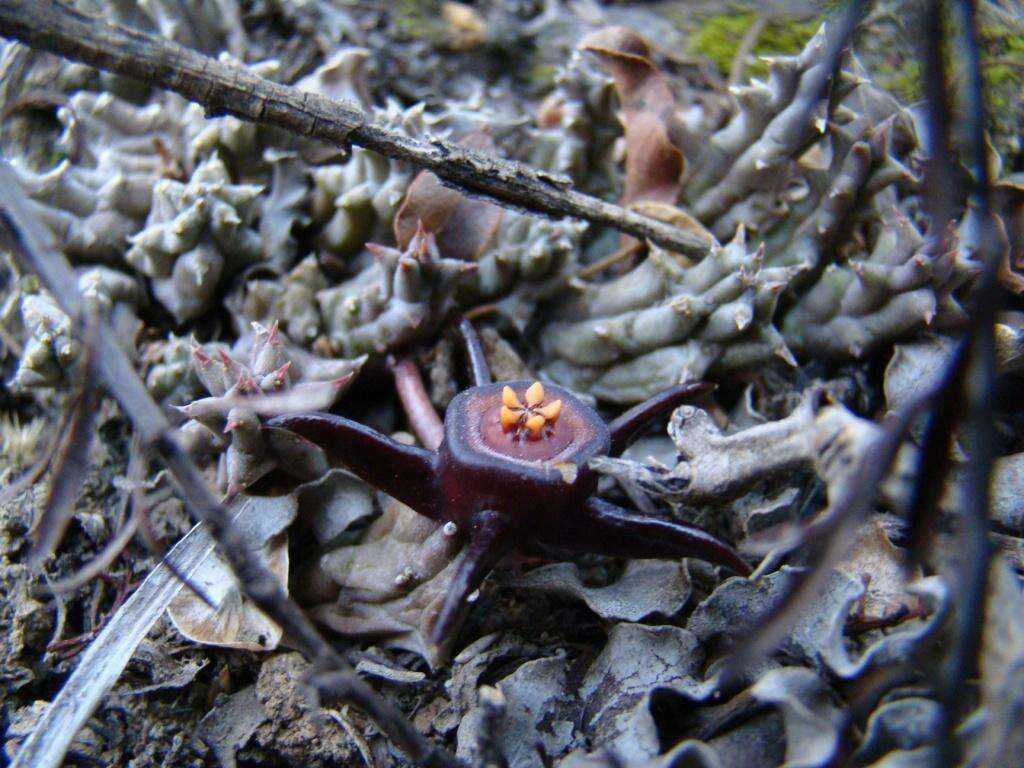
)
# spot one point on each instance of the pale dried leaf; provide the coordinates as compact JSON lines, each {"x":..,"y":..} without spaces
{"x":237,"y":622}
{"x":645,"y":587}
{"x":538,"y":718}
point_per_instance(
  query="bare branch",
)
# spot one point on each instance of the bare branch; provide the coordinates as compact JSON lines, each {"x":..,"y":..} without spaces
{"x":978,"y":382}
{"x":227,"y":90}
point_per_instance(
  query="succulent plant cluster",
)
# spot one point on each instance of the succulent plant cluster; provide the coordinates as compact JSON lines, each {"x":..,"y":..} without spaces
{"x":268,"y":270}
{"x":819,"y":211}
{"x":276,"y":379}
{"x":668,"y":320}
{"x":51,"y":352}
{"x":829,"y":206}
{"x":101,"y":190}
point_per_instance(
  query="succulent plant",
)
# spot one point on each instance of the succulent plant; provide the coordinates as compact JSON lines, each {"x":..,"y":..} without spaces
{"x":828,"y":195}
{"x":510,"y":466}
{"x":241,"y":144}
{"x":530,"y":261}
{"x":291,"y":296}
{"x":857,"y":304}
{"x":666,"y":321}
{"x":51,"y":350}
{"x":820,"y":247}
{"x":278,"y":378}
{"x":745,"y":170}
{"x":205,"y":26}
{"x":575,"y":129}
{"x":402,"y":297}
{"x":101,"y":191}
{"x":197,"y":234}
{"x":170,"y":377}
{"x":355,"y":202}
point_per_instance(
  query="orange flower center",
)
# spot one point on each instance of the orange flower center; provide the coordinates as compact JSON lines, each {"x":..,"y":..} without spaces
{"x":529,"y":416}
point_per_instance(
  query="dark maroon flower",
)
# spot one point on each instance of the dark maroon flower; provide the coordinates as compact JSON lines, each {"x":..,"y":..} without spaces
{"x":511,"y":470}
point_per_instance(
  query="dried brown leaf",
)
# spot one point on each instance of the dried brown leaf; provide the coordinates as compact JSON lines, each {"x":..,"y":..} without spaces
{"x":886,"y":573}
{"x":654,"y":163}
{"x":236,"y":622}
{"x":463,"y":227}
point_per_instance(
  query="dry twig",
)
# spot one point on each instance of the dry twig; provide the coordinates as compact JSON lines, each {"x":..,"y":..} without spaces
{"x":226,"y":90}
{"x":976,"y":381}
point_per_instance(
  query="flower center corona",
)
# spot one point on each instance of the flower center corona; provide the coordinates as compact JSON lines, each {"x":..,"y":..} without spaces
{"x":530,"y":418}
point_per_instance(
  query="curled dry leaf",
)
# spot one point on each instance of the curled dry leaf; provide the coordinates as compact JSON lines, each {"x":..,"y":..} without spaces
{"x":393,"y":583}
{"x":236,"y":622}
{"x":332,"y":503}
{"x":810,"y":716}
{"x":537,"y":692}
{"x":897,"y":729}
{"x":818,"y":638}
{"x":886,"y":573}
{"x":644,"y":588}
{"x":654,"y":163}
{"x":463,"y":227}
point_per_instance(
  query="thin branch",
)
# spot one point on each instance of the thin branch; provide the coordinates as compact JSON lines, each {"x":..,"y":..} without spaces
{"x":30,"y":242}
{"x":939,"y":168}
{"x":227,"y":90}
{"x":979,"y":382}
{"x":738,"y":68}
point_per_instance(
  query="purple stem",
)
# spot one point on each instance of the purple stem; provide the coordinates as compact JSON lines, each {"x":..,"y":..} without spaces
{"x":479,"y":370}
{"x":487,"y":545}
{"x":612,"y":530}
{"x":416,"y":403}
{"x":625,"y":428}
{"x":402,"y":471}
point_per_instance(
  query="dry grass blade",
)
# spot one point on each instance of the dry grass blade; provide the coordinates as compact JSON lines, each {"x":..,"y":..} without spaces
{"x":107,"y":655}
{"x":67,"y":468}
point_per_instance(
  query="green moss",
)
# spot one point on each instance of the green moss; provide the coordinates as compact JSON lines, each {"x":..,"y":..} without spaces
{"x":541,"y":75}
{"x":1003,"y":62}
{"x":417,"y":20}
{"x":902,"y":80}
{"x":717,"y":37}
